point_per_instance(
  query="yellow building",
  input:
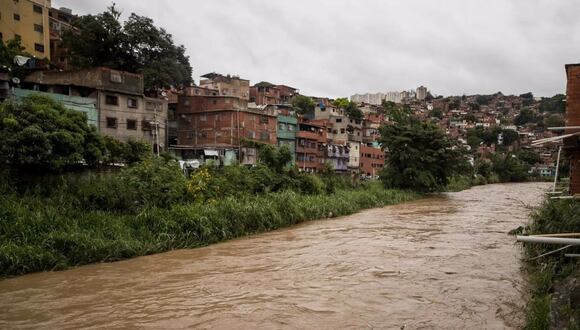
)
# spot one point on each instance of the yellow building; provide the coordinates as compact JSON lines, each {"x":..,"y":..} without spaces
{"x":29,"y":20}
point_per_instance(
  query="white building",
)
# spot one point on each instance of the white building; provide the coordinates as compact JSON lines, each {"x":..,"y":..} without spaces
{"x":421,"y":92}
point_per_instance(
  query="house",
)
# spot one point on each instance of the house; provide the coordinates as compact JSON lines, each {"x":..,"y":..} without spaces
{"x":124,"y":113}
{"x":310,"y":145}
{"x":227,"y":85}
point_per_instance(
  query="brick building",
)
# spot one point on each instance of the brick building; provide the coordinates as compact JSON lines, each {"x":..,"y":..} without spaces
{"x":372,"y":160}
{"x":572,"y":142}
{"x":219,"y":123}
{"x":310,"y":145}
{"x":227,"y":85}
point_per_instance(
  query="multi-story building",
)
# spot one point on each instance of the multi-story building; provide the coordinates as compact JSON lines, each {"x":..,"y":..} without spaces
{"x":338,"y":156}
{"x":310,"y":142}
{"x":218,"y":125}
{"x":286,"y":93}
{"x":227,"y":85}
{"x":265,"y":93}
{"x":27,"y":20}
{"x":287,"y":127}
{"x":369,"y":98}
{"x":372,"y":160}
{"x":59,"y":22}
{"x":572,"y":142}
{"x":421,"y":93}
{"x":123,"y":111}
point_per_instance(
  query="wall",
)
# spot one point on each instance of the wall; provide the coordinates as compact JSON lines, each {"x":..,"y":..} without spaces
{"x":25,"y":26}
{"x":372,"y":160}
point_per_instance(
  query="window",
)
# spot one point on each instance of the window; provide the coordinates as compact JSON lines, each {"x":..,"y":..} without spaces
{"x":17,"y":37}
{"x":111,"y":100}
{"x":39,"y":48}
{"x":37,"y":9}
{"x":16,"y":17}
{"x":38,"y":28}
{"x":291,"y":128}
{"x":342,"y":131}
{"x":203,"y":117}
{"x":131,"y":124}
{"x":116,"y":77}
{"x":264,"y":136}
{"x":282,"y":127}
{"x":263,"y":120}
{"x":111,"y":122}
{"x":131,"y":103}
{"x":339,"y":120}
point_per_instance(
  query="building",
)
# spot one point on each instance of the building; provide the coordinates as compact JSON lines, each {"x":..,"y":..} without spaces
{"x":27,"y":20}
{"x":421,"y":93}
{"x":572,"y":141}
{"x":227,"y":85}
{"x":123,"y":111}
{"x":286,"y":133}
{"x":265,"y":93}
{"x":310,"y":145}
{"x":338,"y":156}
{"x":369,"y":98}
{"x":86,"y":105}
{"x":372,"y":160}
{"x":219,"y":125}
{"x":59,"y":22}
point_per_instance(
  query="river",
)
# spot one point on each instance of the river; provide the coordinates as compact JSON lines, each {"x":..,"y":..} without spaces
{"x":440,"y":262}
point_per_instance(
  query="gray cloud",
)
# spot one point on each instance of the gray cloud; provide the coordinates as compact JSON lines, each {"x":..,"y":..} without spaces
{"x":341,"y":47}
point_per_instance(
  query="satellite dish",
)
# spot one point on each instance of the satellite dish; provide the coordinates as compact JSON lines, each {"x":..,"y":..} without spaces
{"x":16,"y":80}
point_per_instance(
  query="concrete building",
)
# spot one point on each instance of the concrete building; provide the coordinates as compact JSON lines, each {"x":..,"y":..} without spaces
{"x":286,"y":133}
{"x":421,"y":93}
{"x":27,"y":20}
{"x":123,"y":111}
{"x":572,"y":143}
{"x":227,"y":85}
{"x":86,"y":105}
{"x":59,"y":22}
{"x":369,"y":98}
{"x":338,"y":156}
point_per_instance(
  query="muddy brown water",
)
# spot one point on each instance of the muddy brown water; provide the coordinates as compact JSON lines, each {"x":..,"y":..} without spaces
{"x":440,"y":262}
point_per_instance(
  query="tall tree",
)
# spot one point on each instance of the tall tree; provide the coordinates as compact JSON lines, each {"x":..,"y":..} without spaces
{"x":421,"y":156}
{"x":136,"y":46}
{"x":302,"y":104}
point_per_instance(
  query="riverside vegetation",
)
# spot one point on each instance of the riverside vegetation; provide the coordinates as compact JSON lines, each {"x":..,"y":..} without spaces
{"x":554,"y":279}
{"x":151,"y":207}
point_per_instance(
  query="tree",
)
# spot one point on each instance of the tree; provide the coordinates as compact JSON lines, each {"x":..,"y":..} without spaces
{"x":276,"y":159}
{"x":421,"y":156}
{"x":525,"y":116}
{"x":353,"y":112}
{"x":40,"y":133}
{"x":509,"y":137}
{"x":554,"y":120}
{"x":302,"y":104}
{"x":530,"y":157}
{"x":554,"y":104}
{"x":509,"y":168}
{"x":137,"y":46}
{"x":437,"y":113}
{"x":483,"y":99}
{"x":341,"y":102}
{"x":10,"y":49}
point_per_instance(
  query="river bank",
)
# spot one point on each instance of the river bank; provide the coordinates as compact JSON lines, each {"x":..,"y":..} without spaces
{"x":51,"y":233}
{"x":554,"y":279}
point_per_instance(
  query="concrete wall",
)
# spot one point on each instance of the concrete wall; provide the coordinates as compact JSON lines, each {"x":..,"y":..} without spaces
{"x":25,"y":27}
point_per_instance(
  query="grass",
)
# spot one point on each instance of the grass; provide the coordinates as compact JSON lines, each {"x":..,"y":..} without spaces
{"x":543,"y":311}
{"x":52,"y":233}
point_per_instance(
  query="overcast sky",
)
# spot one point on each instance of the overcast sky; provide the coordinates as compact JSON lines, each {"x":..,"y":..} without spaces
{"x":337,"y":48}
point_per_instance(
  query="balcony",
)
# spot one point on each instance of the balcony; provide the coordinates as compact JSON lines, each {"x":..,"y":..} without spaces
{"x":309,"y":135}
